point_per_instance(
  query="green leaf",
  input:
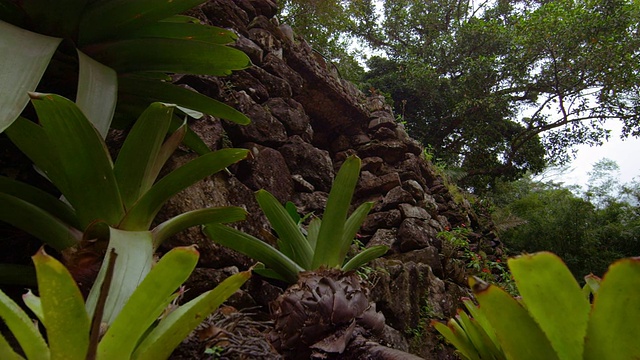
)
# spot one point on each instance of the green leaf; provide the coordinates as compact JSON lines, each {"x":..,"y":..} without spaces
{"x":166,"y":150}
{"x":185,"y":31}
{"x":169,"y":55}
{"x":196,"y":217}
{"x":24,"y":61}
{"x":104,"y":19}
{"x":483,"y":322}
{"x":613,"y":327}
{"x":554,"y":300}
{"x":312,"y":232}
{"x":97,"y":92}
{"x":291,"y":238}
{"x":174,"y":328}
{"x":292,"y":210}
{"x":352,"y":226}
{"x":144,"y":211}
{"x":518,"y":334}
{"x":147,"y":303}
{"x":61,"y":20}
{"x":23,"y":329}
{"x":32,"y":140}
{"x":63,"y":309}
{"x":478,"y":337}
{"x":40,"y":199}
{"x":84,"y":160}
{"x":34,"y":304}
{"x":135,"y":257}
{"x":255,"y":249}
{"x":329,"y":247}
{"x":135,"y":169}
{"x":6,"y":352}
{"x":365,"y":256}
{"x":155,"y":90}
{"x":457,"y":337}
{"x":38,"y":223}
{"x":591,"y":286}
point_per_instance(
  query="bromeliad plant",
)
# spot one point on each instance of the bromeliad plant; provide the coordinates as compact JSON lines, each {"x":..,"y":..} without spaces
{"x":326,"y":242}
{"x":554,"y":318}
{"x":123,"y":52}
{"x":144,"y":329}
{"x":102,"y":200}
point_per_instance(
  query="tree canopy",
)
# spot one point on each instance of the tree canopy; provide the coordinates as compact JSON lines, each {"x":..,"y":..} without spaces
{"x":499,"y":88}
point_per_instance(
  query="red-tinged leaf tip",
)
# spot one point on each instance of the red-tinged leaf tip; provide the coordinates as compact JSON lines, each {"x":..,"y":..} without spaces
{"x":477,"y":285}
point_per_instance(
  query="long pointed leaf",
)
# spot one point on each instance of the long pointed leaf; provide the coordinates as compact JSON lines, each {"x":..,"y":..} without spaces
{"x":24,"y":60}
{"x":613,"y":327}
{"x":166,"y":150}
{"x":32,"y":140}
{"x":144,"y":211}
{"x":365,"y":256}
{"x":135,"y":256}
{"x":286,"y":228}
{"x":155,"y":90}
{"x":457,"y":337}
{"x":329,"y":246}
{"x":97,"y":92}
{"x":519,"y":335}
{"x":186,"y":31}
{"x":255,"y":249}
{"x":478,"y":337}
{"x":23,"y":329}
{"x":39,"y":198}
{"x":196,"y":217}
{"x":6,"y":352}
{"x":174,"y":328}
{"x":63,"y":309}
{"x":84,"y":159}
{"x":34,"y":304}
{"x":312,"y":231}
{"x":352,"y":226}
{"x":38,"y":222}
{"x":104,"y":19}
{"x":169,"y":55}
{"x":554,"y":300}
{"x":146,"y":303}
{"x":135,"y":167}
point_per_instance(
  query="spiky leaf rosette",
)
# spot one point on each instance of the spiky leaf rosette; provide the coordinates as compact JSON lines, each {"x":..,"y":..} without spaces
{"x":322,"y":313}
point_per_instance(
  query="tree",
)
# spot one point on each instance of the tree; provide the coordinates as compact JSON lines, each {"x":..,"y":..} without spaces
{"x":505,"y":87}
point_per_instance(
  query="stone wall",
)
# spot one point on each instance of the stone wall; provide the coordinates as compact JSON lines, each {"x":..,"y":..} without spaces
{"x":305,"y":122}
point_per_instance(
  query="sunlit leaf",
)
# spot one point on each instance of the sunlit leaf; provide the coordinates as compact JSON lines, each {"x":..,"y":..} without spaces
{"x":518,"y":334}
{"x":25,"y":56}
{"x":147,"y":302}
{"x":169,"y":333}
{"x":135,"y":256}
{"x":63,"y":309}
{"x":554,"y":300}
{"x":6,"y":352}
{"x":23,"y":329}
{"x":613,"y":327}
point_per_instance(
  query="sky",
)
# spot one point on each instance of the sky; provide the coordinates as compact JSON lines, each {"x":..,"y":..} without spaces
{"x":624,"y":152}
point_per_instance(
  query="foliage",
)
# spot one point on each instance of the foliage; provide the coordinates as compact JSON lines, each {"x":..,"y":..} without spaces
{"x":553,"y":319}
{"x":124,"y":52}
{"x":106,"y":201}
{"x":503,"y":87}
{"x":326,"y":243}
{"x":143,"y":330}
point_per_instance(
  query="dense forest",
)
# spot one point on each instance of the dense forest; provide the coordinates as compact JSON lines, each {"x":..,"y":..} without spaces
{"x":499,"y":92}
